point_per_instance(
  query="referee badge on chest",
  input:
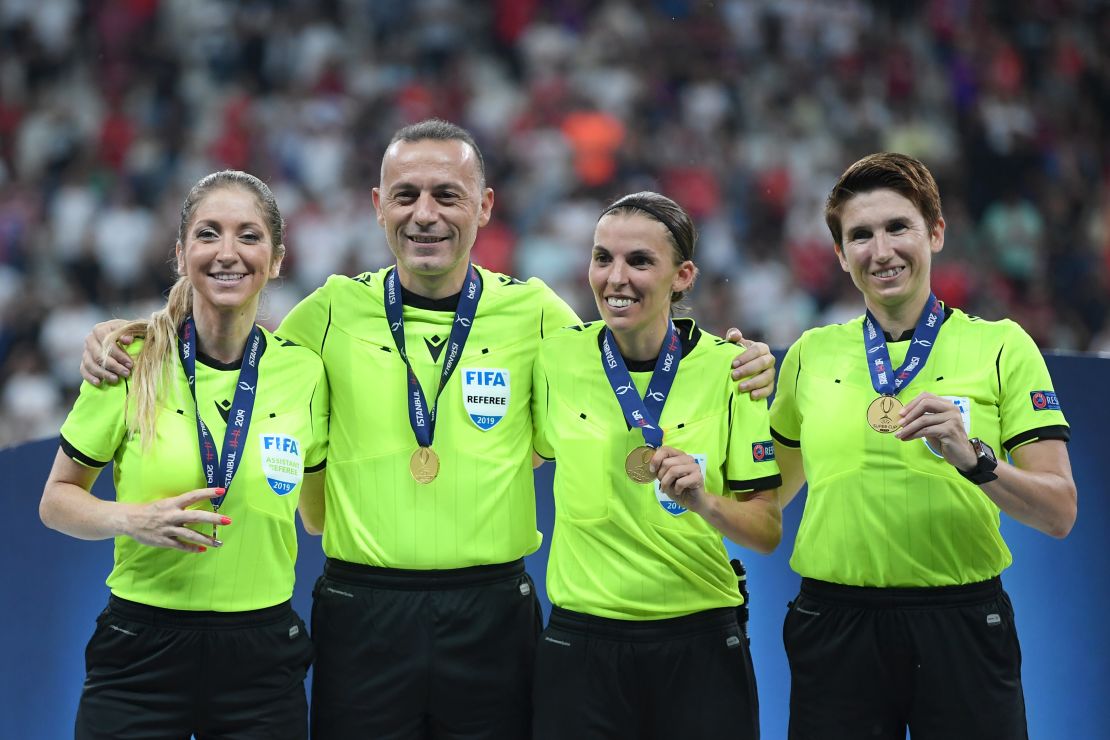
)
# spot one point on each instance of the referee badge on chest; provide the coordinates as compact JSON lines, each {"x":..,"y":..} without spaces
{"x":669,"y":505}
{"x":485,"y":395}
{"x":282,"y":463}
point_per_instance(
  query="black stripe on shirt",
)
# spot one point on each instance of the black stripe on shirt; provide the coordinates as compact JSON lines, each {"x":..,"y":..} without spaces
{"x":794,"y":443}
{"x":79,"y":456}
{"x":317,"y":467}
{"x":766,"y":483}
{"x":1055,"y":431}
{"x":327,"y":328}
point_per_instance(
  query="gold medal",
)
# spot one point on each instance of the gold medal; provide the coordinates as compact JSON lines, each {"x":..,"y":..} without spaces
{"x":424,"y":465}
{"x":882,"y":414}
{"x":636,"y":464}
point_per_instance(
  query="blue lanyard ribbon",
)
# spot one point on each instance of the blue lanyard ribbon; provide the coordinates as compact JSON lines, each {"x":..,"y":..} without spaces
{"x":645,"y":412}
{"x":238,"y":416}
{"x":421,"y":418}
{"x":885,"y":380}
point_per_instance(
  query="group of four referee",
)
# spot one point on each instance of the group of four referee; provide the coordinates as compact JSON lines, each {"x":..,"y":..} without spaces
{"x":424,"y":622}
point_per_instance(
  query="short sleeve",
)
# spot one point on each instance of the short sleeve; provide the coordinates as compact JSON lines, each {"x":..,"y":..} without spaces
{"x":786,"y":421}
{"x":1028,"y":405}
{"x":317,"y":456}
{"x":96,"y":425}
{"x":541,"y":396}
{"x":750,"y":462}
{"x":307,"y":324}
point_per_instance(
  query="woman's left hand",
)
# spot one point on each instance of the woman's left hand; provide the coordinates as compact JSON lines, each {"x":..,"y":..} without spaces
{"x":679,"y":477}
{"x":939,"y":421}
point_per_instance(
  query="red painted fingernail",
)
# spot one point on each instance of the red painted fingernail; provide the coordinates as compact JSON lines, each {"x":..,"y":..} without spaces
{"x":220,"y":491}
{"x":202,"y":548}
{"x":225,"y":520}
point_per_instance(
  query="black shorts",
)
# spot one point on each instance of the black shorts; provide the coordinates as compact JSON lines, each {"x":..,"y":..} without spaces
{"x":614,"y":679}
{"x":870,"y":662}
{"x":165,"y":673}
{"x":423,"y":654}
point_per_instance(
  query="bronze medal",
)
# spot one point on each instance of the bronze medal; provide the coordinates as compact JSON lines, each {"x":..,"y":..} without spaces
{"x":636,"y":464}
{"x":882,"y":414}
{"x":424,"y":465}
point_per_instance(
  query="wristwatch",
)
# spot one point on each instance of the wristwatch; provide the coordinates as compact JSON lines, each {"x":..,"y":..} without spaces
{"x":985,"y":463}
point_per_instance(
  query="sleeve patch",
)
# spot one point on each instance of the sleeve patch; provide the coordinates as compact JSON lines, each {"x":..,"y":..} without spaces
{"x":763,"y":451}
{"x":1044,"y":400}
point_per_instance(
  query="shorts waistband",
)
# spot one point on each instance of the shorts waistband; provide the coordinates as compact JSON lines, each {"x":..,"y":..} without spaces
{"x":896,"y":598}
{"x":158,"y":616}
{"x":649,"y":630}
{"x":421,"y":580}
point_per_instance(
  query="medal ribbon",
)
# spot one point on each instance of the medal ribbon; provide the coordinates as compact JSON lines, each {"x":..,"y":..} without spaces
{"x":238,"y":416}
{"x":421,"y":418}
{"x":643,"y":413}
{"x":886,"y":381}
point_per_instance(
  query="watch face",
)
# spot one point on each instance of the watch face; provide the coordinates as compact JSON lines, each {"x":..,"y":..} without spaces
{"x":982,"y":449}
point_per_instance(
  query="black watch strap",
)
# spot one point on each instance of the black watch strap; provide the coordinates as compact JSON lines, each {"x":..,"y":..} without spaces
{"x":985,"y":463}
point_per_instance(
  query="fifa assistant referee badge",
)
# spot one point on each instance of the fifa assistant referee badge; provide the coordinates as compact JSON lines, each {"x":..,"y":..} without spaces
{"x":424,"y":465}
{"x":985,"y":463}
{"x":882,"y":414}
{"x":636,"y":465}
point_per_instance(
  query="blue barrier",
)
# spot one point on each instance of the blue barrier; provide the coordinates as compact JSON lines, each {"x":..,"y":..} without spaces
{"x":53,"y":589}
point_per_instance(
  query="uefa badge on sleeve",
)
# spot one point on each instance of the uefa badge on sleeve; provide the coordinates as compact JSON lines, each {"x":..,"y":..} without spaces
{"x":1044,"y":400}
{"x":485,"y":395}
{"x":763,"y":451}
{"x":282,"y":463}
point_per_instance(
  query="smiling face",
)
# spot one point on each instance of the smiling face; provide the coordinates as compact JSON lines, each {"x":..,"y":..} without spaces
{"x":633,"y":273}
{"x":227,"y":252}
{"x":431,"y":203}
{"x":888,"y":250}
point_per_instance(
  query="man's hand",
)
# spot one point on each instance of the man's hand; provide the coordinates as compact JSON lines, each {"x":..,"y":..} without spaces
{"x":118,"y":363}
{"x":756,"y":365}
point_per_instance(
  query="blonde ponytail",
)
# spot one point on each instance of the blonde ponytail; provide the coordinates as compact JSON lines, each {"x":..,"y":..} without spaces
{"x":157,"y":360}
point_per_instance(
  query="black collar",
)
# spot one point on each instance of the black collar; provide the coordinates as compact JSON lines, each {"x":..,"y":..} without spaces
{"x":688,"y":334}
{"x":414,"y":300}
{"x":907,"y":335}
{"x":212,"y":362}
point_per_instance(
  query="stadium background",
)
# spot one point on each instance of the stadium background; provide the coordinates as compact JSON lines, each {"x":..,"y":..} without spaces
{"x":744,"y":111}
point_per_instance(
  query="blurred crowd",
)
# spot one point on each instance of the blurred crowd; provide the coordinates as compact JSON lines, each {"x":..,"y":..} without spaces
{"x":745,"y":111}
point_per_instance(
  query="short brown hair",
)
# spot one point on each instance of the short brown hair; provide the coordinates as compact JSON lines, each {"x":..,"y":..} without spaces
{"x":884,"y":171}
{"x":436,"y":129}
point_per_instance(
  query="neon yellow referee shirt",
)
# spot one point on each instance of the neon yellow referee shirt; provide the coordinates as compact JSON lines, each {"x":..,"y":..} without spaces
{"x":882,"y":512}
{"x":287,"y":437}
